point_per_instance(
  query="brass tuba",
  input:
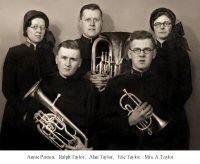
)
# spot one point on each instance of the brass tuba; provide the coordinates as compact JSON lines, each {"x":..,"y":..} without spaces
{"x":108,"y":62}
{"x":145,"y":125}
{"x":55,"y":126}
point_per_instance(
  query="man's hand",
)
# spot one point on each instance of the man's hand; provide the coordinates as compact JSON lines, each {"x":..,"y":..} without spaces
{"x":140,"y":114}
{"x":79,"y":146}
{"x":99,"y":80}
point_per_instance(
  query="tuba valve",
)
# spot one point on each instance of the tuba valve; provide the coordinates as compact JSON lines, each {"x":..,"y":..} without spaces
{"x":55,"y":126}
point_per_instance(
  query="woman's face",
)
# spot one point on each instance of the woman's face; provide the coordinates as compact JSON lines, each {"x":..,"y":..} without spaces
{"x":162,"y":27}
{"x":36,"y":30}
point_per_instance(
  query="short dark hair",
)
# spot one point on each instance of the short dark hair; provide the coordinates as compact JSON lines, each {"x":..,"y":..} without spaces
{"x":142,"y":35}
{"x":70,"y":44}
{"x":91,"y":6}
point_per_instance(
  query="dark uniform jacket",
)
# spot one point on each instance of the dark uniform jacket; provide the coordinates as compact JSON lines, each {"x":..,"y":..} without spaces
{"x":173,"y":60}
{"x":23,"y":66}
{"x":77,"y":103}
{"x":176,"y":61}
{"x":86,"y":52}
{"x":148,"y":87}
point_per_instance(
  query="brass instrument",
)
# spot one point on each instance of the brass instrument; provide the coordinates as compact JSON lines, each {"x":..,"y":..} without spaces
{"x":55,"y":126}
{"x":109,"y":62}
{"x":145,"y":125}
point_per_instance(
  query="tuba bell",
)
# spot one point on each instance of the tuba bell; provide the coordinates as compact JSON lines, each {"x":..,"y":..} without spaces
{"x":145,"y":125}
{"x":108,"y":60}
{"x":55,"y":126}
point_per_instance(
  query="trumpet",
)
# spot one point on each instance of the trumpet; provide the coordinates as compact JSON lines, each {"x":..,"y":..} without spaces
{"x":108,"y":62}
{"x":55,"y":126}
{"x":146,"y":124}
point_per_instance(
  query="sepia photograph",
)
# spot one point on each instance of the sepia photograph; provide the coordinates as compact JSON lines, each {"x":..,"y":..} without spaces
{"x":106,"y":81}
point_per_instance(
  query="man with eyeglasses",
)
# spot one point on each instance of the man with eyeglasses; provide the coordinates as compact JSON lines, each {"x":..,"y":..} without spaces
{"x":118,"y":119}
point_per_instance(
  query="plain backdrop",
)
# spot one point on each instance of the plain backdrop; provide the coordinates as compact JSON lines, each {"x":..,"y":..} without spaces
{"x":119,"y":15}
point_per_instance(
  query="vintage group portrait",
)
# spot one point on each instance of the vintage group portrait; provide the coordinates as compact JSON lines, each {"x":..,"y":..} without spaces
{"x":99,"y":75}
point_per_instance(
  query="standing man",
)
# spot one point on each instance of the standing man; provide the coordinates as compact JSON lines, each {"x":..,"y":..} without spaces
{"x":90,"y":24}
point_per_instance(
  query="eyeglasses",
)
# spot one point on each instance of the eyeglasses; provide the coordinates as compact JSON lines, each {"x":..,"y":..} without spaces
{"x":145,"y":50}
{"x":165,"y":24}
{"x":35,"y":27}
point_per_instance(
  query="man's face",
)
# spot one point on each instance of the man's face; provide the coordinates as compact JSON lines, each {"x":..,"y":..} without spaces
{"x":141,"y":53}
{"x":36,"y":31}
{"x":164,"y":28}
{"x":68,"y":61}
{"x":91,"y":23}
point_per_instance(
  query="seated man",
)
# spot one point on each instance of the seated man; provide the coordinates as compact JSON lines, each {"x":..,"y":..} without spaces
{"x":76,"y":95}
{"x":122,"y":113}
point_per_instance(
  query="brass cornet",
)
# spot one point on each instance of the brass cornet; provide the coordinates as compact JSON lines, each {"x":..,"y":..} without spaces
{"x":145,"y":125}
{"x":55,"y":126}
{"x":109,"y":62}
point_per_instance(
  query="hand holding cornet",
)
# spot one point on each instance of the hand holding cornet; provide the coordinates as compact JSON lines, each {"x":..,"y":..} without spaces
{"x":140,"y":114}
{"x":147,"y":113}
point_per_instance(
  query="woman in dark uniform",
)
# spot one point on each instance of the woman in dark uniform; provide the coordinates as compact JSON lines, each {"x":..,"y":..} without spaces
{"x":173,"y":60}
{"x":24,"y":65}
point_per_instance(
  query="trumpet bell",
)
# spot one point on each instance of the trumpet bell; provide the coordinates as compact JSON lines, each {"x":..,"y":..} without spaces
{"x":161,"y":123}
